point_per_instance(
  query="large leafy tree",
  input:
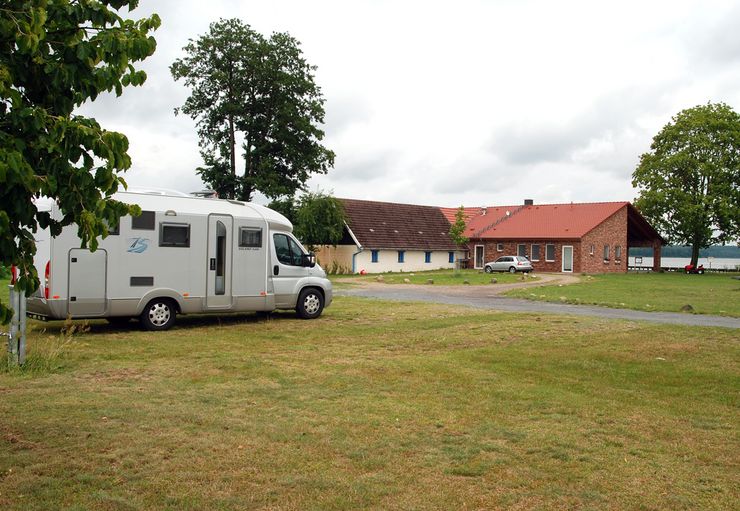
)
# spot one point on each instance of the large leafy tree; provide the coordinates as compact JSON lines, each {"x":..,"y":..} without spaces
{"x":319,"y":219}
{"x":255,"y":101}
{"x":54,"y":56}
{"x":689,"y":182}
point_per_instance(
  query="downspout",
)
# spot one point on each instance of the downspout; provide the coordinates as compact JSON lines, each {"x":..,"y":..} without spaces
{"x":354,"y":264}
{"x":359,"y":247}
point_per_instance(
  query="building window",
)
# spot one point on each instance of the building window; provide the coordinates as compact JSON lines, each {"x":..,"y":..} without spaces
{"x":591,"y":249}
{"x":549,"y":252}
{"x":401,"y":254}
{"x":250,"y":237}
{"x":427,"y":257}
{"x":450,"y":257}
{"x":499,"y":247}
{"x":535,"y":253}
{"x":618,"y":253}
{"x":606,"y":252}
{"x":374,"y":256}
{"x":174,"y":235}
{"x":521,"y":250}
{"x":145,"y":221}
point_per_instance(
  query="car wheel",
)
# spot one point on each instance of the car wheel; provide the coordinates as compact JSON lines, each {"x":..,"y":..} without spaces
{"x":512,"y":269}
{"x":310,"y":304}
{"x":489,"y":269}
{"x":159,"y":314}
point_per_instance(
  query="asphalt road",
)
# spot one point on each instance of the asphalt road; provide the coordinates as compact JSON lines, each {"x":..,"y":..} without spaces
{"x":480,"y":297}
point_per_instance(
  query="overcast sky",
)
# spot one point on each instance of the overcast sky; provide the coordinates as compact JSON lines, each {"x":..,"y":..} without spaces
{"x":466,"y":102}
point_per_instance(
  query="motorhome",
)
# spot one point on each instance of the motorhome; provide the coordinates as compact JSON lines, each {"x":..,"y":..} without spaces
{"x":182,"y":255}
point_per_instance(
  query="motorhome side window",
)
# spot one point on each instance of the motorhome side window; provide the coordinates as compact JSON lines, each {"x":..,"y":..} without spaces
{"x":174,"y":235}
{"x":250,"y":237}
{"x":145,"y":221}
{"x":287,"y":250}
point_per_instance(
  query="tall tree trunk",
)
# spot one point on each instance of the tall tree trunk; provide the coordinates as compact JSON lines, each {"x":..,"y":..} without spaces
{"x":695,"y":253}
{"x":232,"y":150}
{"x":247,"y":189}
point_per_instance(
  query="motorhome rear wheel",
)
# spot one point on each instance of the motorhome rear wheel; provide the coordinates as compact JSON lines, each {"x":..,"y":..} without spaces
{"x":159,"y":314}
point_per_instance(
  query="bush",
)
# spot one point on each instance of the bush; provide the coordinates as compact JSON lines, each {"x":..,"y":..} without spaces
{"x":4,"y":272}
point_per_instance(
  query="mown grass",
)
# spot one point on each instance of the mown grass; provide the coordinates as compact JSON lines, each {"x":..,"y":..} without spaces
{"x":376,"y":405}
{"x":711,"y":293}
{"x":439,"y":278}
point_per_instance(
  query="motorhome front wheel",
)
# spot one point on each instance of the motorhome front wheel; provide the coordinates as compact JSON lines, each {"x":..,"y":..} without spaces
{"x":310,"y":304}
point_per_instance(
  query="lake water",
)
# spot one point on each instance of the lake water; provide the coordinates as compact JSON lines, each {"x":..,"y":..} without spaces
{"x":680,"y":262}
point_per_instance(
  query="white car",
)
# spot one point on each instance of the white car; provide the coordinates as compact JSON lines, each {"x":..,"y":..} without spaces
{"x":512,"y":264}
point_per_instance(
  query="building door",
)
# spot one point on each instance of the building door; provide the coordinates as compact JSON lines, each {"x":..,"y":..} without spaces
{"x":219,"y":270}
{"x":567,"y":258}
{"x":87,"y":282}
{"x":479,"y":254}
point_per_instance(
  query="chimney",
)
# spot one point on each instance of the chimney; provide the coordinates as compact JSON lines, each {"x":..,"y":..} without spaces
{"x":483,"y":211}
{"x":528,"y":202}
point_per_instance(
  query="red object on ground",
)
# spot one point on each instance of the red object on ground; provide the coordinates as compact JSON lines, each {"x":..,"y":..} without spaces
{"x":691,"y":269}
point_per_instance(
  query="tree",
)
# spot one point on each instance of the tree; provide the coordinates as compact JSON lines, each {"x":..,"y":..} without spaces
{"x":689,"y":182}
{"x":319,"y":219}
{"x":457,"y":229}
{"x":244,"y":86}
{"x":54,"y":56}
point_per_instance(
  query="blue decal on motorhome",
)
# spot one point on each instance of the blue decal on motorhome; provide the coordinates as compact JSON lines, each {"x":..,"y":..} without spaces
{"x":137,"y":245}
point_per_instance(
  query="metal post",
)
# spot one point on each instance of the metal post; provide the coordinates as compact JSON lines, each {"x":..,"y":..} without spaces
{"x":14,"y":326}
{"x":22,"y":328}
{"x":17,"y":335}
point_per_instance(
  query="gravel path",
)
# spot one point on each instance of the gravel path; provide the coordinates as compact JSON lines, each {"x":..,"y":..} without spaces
{"x":488,"y":297}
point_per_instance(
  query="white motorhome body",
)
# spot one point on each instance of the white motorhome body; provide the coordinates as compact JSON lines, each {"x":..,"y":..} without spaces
{"x":182,"y":255}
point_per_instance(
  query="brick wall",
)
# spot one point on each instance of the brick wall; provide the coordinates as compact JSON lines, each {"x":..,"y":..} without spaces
{"x":510,"y":247}
{"x":612,"y":232}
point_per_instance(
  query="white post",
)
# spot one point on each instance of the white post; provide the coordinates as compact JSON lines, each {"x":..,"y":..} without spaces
{"x":13,"y":334}
{"x":17,"y":337}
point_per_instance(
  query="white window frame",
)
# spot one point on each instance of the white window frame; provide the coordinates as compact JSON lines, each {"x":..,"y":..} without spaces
{"x":572,"y":256}
{"x":499,"y":247}
{"x":553,"y":252}
{"x":482,"y":257}
{"x":531,"y":252}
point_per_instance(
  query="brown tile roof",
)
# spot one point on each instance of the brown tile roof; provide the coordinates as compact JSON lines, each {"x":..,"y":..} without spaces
{"x":387,"y":225}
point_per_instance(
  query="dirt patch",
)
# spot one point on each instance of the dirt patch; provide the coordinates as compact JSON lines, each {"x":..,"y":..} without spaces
{"x":117,"y":375}
{"x":542,"y":279}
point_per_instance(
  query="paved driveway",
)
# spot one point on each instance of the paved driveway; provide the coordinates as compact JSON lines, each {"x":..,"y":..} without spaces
{"x":488,"y":297}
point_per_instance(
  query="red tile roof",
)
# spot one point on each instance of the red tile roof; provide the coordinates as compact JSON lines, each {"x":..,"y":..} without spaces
{"x":387,"y":225}
{"x":552,"y":221}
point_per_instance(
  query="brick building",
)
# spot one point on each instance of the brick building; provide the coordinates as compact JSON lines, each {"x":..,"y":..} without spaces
{"x":575,"y":237}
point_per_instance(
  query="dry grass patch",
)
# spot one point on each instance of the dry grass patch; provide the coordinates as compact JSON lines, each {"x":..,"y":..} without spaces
{"x":377,"y":406}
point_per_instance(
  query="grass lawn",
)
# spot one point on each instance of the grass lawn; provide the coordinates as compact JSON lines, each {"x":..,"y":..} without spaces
{"x":711,"y":293}
{"x":375,"y":405}
{"x":440,"y":277}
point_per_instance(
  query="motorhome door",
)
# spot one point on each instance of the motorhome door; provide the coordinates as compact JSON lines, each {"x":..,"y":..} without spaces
{"x":219,"y":267}
{"x":86,"y":282}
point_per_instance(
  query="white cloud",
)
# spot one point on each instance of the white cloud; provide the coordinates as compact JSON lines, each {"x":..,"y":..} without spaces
{"x":472,"y":102}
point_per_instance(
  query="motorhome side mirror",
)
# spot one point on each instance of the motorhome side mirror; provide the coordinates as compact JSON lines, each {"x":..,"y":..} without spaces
{"x":309,"y":260}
